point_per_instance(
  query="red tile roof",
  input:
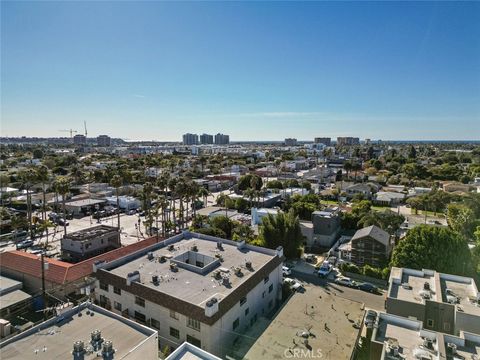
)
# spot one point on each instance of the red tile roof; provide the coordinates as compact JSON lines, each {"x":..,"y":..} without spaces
{"x":61,"y":272}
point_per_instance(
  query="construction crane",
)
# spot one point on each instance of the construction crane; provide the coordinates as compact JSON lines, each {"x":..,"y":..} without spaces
{"x":85,"y":124}
{"x":70,"y":131}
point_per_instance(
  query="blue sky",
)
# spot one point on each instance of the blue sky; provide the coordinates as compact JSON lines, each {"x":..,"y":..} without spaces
{"x":256,"y":71}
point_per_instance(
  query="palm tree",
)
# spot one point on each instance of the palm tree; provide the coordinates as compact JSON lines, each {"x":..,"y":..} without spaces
{"x":147,"y":196}
{"x":162,"y":203}
{"x":43,"y":177}
{"x":44,"y":226}
{"x":181,"y":191}
{"x":204,"y":193}
{"x":348,"y":166}
{"x":28,"y":177}
{"x":172,"y":184}
{"x":62,"y":186}
{"x":116,"y":182}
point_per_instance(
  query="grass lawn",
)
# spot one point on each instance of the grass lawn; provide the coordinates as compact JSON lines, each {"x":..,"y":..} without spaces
{"x":329,"y":202}
{"x":429,"y":213}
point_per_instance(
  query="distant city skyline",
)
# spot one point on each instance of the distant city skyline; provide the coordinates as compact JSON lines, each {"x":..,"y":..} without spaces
{"x":255,"y":71}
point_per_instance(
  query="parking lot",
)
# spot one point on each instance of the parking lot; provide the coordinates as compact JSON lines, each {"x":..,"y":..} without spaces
{"x":315,"y":323}
{"x":130,"y":231}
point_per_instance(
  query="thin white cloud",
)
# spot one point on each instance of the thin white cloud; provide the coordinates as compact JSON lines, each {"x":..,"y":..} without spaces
{"x":281,"y":114}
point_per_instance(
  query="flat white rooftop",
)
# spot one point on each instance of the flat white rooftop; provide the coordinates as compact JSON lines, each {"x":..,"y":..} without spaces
{"x":201,"y":266}
{"x":54,"y":338}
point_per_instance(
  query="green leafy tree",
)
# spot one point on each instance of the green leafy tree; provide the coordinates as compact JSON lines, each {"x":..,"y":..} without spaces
{"x":432,"y":247}
{"x":251,"y":181}
{"x":461,"y":219}
{"x":283,"y":230}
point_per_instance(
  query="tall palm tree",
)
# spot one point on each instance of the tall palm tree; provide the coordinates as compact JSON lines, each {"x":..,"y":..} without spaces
{"x":116,"y":182}
{"x":172,"y":184}
{"x":28,"y":178}
{"x":181,"y":191}
{"x":204,"y":193}
{"x":62,"y":186}
{"x":193,"y":189}
{"x":43,"y":177}
{"x":162,"y":203}
{"x":147,"y":199}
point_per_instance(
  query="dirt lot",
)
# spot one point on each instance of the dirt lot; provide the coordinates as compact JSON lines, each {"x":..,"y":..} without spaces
{"x":317,"y":315}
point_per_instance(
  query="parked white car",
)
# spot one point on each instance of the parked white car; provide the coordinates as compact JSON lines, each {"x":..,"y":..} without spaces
{"x":294,"y":285}
{"x":345,"y":281}
{"x":286,"y":271}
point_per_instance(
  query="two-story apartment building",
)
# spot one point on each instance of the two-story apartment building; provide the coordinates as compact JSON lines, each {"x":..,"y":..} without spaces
{"x":370,"y":246}
{"x":194,"y":288}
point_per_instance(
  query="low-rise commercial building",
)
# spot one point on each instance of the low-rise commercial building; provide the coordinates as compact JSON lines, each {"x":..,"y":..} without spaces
{"x":87,"y":243}
{"x":83,"y":332}
{"x":443,"y":302}
{"x":12,"y":297}
{"x":194,"y":288}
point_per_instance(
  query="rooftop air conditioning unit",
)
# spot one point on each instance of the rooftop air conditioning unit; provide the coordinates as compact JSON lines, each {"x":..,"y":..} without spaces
{"x":426,"y":285}
{"x":238,"y":271}
{"x":248,"y":265}
{"x":451,"y":348}
{"x":171,"y":247}
{"x":217,"y":274}
{"x":173,"y":267}
{"x":107,"y":349}
{"x":150,"y":255}
{"x":155,"y":279}
{"x":406,"y":286}
{"x":194,"y":248}
{"x":428,"y":343}
{"x":219,"y":245}
{"x":78,"y":348}
{"x":226,"y":281}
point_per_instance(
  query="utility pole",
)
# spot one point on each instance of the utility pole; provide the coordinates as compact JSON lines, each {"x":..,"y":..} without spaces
{"x":44,"y":297}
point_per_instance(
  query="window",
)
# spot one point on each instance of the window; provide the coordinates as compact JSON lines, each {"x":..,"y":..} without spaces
{"x":266,"y":279}
{"x":236,"y":323}
{"x":263,"y":295}
{"x":103,"y":286}
{"x":117,"y":306}
{"x":174,"y":333}
{"x":446,"y":327}
{"x":247,"y":310}
{"x":193,"y":323}
{"x":430,"y":322}
{"x":243,"y":300}
{"x":194,"y":341}
{"x":140,"y":317}
{"x":117,"y":290}
{"x":155,"y":323}
{"x":270,"y":288}
{"x":173,"y":315}
{"x":139,"y":301}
